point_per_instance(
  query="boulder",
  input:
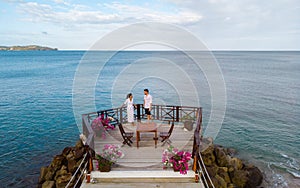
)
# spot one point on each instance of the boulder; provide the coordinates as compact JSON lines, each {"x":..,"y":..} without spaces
{"x":236,"y":163}
{"x":66,"y":151}
{"x":221,"y":156}
{"x":219,"y":182}
{"x":78,"y":153}
{"x":50,"y":174}
{"x":239,"y":178}
{"x":61,"y":172}
{"x":255,"y":176}
{"x":212,"y":170}
{"x":228,"y":171}
{"x":78,"y":163}
{"x":72,"y":165}
{"x":63,"y":180}
{"x":57,"y":162}
{"x":223,"y":173}
{"x":44,"y":171}
{"x":208,"y":156}
{"x":70,"y":156}
{"x":79,"y":144}
{"x":48,"y":184}
{"x":230,"y":151}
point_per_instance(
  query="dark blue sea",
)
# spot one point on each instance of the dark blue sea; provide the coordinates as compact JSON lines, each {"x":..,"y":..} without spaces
{"x":261,"y":120}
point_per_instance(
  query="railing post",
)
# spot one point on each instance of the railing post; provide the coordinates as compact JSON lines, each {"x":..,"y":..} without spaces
{"x":121,"y":115}
{"x":157,"y":113}
{"x":138,"y":112}
{"x":177,"y":113}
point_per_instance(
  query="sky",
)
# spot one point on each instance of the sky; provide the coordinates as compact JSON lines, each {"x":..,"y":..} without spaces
{"x":220,"y":24}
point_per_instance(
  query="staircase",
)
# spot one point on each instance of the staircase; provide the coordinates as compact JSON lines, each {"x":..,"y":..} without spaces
{"x":144,"y":179}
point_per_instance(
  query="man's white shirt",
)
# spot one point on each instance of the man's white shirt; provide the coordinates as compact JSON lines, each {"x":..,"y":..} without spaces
{"x":148,"y":101}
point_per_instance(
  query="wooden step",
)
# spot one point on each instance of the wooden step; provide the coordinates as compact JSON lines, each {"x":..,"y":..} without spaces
{"x":143,"y":185}
{"x":151,"y":176}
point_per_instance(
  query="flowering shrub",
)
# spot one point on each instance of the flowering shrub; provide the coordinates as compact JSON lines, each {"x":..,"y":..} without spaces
{"x":179,"y":160}
{"x":100,"y":122}
{"x":111,"y":153}
{"x":167,"y":155}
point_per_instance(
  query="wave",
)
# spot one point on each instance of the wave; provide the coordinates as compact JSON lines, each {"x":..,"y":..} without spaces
{"x":295,"y":174}
{"x":276,"y":177}
{"x":290,"y":163}
{"x":284,"y":155}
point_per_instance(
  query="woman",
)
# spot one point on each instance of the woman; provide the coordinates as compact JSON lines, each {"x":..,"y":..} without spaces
{"x":130,"y":108}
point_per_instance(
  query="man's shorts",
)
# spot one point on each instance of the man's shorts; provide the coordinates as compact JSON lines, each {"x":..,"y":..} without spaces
{"x":147,"y":111}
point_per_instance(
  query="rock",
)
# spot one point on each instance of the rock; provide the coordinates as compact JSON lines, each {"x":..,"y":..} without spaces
{"x":63,"y":180}
{"x":66,"y":151}
{"x":228,"y":171}
{"x":44,"y":171}
{"x":62,"y":171}
{"x":219,"y":182}
{"x":255,"y":176}
{"x":221,"y":156}
{"x":223,"y":173}
{"x":79,"y":144}
{"x":72,"y":165}
{"x":78,"y":153}
{"x":222,"y":182}
{"x":50,"y":174}
{"x":236,"y":163}
{"x":57,"y":162}
{"x":208,"y":156}
{"x":48,"y":184}
{"x":212,"y":170}
{"x":231,"y":152}
{"x":239,"y":178}
{"x":70,"y":156}
{"x":78,"y":163}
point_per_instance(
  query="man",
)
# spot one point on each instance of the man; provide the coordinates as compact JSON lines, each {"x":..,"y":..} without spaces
{"x":147,"y":103}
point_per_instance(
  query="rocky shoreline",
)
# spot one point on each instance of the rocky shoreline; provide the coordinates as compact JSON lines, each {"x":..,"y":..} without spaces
{"x":225,"y":170}
{"x":228,"y":171}
{"x":62,"y":167}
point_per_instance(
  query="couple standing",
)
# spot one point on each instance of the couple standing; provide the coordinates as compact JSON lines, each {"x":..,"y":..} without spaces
{"x":131,"y":105}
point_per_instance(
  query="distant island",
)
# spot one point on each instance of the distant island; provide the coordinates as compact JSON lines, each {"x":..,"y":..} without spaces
{"x":27,"y":48}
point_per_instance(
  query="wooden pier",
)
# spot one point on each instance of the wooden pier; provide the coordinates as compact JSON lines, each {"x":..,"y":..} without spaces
{"x":142,"y":166}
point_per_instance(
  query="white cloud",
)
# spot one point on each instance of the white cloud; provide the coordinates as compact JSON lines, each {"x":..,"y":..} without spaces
{"x":118,"y":13}
{"x":45,"y":13}
{"x":60,"y":1}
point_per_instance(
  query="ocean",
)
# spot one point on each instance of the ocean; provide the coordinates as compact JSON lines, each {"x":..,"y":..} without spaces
{"x":261,"y":120}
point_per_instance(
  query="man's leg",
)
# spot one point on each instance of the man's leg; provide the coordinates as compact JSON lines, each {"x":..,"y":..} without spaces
{"x":149,"y":115}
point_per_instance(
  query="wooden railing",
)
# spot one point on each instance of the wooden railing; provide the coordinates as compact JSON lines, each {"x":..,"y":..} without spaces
{"x":199,"y":168}
{"x":87,"y":130}
{"x":159,"y":112}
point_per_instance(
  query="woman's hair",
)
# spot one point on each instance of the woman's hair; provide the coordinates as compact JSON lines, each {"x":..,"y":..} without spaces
{"x":128,"y":95}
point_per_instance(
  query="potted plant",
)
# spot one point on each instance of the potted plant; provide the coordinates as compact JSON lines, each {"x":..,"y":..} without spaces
{"x":109,"y":156}
{"x":179,"y":160}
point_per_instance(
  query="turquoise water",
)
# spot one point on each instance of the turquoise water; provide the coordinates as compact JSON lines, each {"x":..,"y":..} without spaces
{"x":261,"y":122}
